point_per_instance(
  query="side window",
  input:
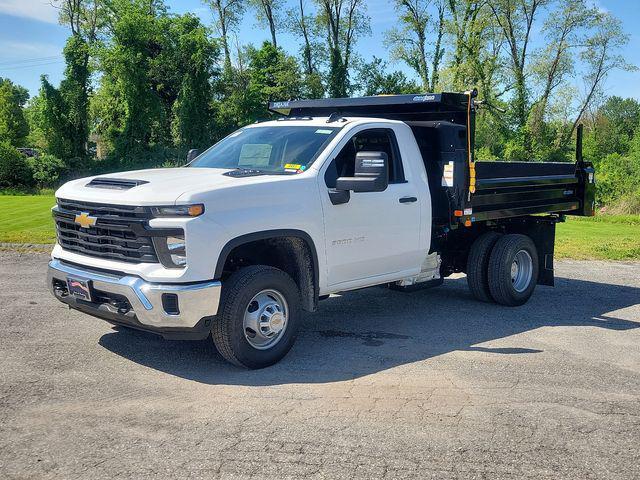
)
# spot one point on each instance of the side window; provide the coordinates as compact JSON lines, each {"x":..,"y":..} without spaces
{"x":374,"y":140}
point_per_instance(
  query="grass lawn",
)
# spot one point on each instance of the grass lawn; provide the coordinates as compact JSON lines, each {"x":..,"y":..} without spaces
{"x":605,"y":237}
{"x":27,"y":219}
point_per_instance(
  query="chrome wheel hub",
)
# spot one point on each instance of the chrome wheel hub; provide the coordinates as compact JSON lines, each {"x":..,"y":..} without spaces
{"x":265,"y":319}
{"x":521,"y":271}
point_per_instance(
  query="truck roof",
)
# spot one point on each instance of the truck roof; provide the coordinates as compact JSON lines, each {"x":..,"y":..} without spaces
{"x":421,"y":106}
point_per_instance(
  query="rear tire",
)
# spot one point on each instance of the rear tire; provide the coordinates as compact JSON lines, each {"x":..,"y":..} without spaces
{"x":258,"y":318}
{"x":513,"y":270}
{"x":478,"y":265}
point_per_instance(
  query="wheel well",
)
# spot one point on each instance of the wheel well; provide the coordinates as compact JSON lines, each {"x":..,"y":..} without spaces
{"x":294,"y":255}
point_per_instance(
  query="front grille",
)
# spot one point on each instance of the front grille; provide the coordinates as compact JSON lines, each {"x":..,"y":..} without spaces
{"x":120,"y":233}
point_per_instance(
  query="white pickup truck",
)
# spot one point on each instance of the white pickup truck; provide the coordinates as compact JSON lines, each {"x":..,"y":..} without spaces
{"x":334,"y":195}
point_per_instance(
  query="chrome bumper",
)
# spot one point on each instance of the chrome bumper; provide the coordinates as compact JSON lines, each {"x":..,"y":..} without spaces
{"x":195,"y":301}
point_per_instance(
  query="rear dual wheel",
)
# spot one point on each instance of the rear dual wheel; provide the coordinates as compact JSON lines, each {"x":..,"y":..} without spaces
{"x":503,"y":268}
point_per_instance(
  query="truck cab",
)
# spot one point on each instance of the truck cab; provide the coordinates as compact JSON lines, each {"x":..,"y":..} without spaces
{"x":332,"y":196}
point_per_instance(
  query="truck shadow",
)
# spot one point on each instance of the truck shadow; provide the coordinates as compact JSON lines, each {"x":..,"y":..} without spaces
{"x":373,"y":330}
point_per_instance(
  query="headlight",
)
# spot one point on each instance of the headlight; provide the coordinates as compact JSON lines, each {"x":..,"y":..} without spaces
{"x":177,"y":251}
{"x":178,"y":211}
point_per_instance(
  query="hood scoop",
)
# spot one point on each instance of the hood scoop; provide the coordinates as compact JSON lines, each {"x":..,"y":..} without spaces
{"x":114,"y":183}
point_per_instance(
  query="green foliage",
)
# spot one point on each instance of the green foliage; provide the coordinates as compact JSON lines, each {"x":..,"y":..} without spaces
{"x":617,"y":176}
{"x":13,"y":124}
{"x":60,"y":116}
{"x":274,"y":75}
{"x":374,"y":79}
{"x":46,"y":169}
{"x":155,"y":96}
{"x":144,"y":85}
{"x":74,"y":90}
{"x":14,"y":170}
{"x":343,"y":21}
{"x":50,"y":118}
{"x":612,"y":128}
{"x":192,"y":112}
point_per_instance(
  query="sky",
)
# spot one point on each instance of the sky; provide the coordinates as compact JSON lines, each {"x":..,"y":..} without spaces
{"x":31,"y":40}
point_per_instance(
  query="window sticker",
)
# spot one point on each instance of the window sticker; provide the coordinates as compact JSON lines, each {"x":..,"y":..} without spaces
{"x":293,"y":166}
{"x":255,"y":155}
{"x":324,"y":132}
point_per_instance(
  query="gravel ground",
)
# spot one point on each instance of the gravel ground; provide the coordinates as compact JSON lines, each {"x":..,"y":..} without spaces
{"x":380,"y":384}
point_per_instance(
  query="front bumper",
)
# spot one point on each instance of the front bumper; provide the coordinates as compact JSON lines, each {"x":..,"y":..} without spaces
{"x":172,"y":310}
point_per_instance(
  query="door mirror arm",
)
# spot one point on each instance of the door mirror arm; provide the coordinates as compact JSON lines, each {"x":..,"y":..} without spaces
{"x":192,"y":154}
{"x":339,"y":197}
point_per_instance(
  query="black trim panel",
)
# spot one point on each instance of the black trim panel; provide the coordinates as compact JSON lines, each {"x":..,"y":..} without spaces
{"x":265,"y":235}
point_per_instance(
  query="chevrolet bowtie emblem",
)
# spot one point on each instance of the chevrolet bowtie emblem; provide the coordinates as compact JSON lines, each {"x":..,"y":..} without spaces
{"x":85,"y":221}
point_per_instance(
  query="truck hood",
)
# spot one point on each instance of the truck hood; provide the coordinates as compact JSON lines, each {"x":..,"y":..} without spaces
{"x":160,"y":186}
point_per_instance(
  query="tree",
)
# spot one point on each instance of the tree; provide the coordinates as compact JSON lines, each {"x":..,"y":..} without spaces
{"x":516,"y":19}
{"x":273,"y":76}
{"x":66,"y":117}
{"x":375,"y":79}
{"x":343,"y":21}
{"x":228,"y":14}
{"x":556,"y":62}
{"x":14,"y":170}
{"x":410,"y":43}
{"x":611,"y":128}
{"x":156,"y":94}
{"x":268,"y":10}
{"x":195,"y":56}
{"x":13,"y":124}
{"x":300,"y":24}
{"x":50,"y":118}
{"x":602,"y":55}
{"x":623,"y":115}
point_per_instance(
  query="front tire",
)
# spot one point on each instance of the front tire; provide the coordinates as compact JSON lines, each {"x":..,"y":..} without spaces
{"x":258,"y":318}
{"x":513,"y":270}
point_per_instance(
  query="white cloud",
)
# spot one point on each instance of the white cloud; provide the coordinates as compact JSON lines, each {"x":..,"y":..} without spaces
{"x":40,"y":10}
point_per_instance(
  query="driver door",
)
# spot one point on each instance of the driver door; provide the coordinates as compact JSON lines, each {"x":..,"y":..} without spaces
{"x":374,"y":234}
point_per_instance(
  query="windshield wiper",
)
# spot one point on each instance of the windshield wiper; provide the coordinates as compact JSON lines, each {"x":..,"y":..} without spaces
{"x":246,"y":172}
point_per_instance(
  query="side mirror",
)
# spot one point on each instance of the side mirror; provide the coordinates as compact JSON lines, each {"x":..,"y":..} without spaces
{"x":193,"y":153}
{"x":371,"y":174}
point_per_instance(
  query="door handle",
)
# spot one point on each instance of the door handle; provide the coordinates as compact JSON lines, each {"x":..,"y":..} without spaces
{"x":408,"y":200}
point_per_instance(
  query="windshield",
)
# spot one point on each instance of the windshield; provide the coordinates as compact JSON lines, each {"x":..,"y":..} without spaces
{"x":273,"y":150}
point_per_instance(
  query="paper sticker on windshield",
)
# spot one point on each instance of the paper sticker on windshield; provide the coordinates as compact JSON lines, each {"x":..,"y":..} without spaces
{"x":292,"y":166}
{"x":324,"y":132}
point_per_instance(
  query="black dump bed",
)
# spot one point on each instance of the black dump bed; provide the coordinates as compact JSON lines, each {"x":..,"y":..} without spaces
{"x":464,"y":191}
{"x":480,"y":191}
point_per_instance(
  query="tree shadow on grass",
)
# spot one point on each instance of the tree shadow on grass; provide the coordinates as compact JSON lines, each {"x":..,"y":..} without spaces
{"x":372,"y":330}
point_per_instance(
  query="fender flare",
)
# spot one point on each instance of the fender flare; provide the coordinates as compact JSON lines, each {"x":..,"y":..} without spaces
{"x":265,"y":235}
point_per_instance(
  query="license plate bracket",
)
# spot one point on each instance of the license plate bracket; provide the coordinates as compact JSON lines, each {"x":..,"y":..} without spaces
{"x":79,"y":288}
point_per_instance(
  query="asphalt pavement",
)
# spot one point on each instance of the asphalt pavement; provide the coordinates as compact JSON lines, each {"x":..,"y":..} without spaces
{"x":380,"y":384}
